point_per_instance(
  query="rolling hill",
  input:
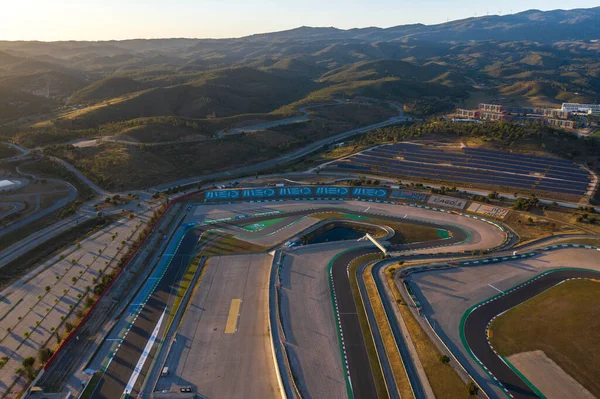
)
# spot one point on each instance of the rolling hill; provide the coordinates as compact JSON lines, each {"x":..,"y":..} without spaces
{"x":91,"y":87}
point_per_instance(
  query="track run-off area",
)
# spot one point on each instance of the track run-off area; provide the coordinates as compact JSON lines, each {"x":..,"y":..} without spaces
{"x":475,"y":292}
{"x":127,"y":370}
{"x":476,"y":322}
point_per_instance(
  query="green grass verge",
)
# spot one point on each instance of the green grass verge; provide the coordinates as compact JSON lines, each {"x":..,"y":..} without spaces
{"x":184,"y":285}
{"x":585,"y":241}
{"x":91,"y":386}
{"x":391,"y":348}
{"x":443,"y":233}
{"x":562,"y":322}
{"x":227,"y":245}
{"x":7,"y":151}
{"x":262,"y":225}
{"x":405,"y":232}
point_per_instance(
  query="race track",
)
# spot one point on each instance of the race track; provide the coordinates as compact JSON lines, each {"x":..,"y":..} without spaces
{"x":475,"y":327}
{"x":127,"y":370}
{"x":117,"y":377}
{"x":361,"y":374}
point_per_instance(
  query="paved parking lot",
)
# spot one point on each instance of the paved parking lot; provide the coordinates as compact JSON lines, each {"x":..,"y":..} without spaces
{"x":40,"y":303}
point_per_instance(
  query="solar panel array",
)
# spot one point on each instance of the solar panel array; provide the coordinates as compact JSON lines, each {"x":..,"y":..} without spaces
{"x":473,"y":165}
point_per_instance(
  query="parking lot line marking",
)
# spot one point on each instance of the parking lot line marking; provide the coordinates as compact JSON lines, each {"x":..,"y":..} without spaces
{"x":500,"y":291}
{"x":234,"y":311}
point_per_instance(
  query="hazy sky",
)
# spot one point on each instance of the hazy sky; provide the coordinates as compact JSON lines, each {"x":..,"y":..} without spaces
{"x":126,"y":19}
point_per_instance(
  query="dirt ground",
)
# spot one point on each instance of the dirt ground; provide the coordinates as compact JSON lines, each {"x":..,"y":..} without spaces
{"x":548,"y":377}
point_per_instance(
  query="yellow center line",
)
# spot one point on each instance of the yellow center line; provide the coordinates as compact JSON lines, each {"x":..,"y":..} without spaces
{"x":234,"y":311}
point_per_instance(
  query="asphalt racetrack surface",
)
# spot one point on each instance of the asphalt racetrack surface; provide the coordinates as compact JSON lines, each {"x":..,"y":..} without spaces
{"x":116,"y":378}
{"x":361,"y":375}
{"x":476,"y":325}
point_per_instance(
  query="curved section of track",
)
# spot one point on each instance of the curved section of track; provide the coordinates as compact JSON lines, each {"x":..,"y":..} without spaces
{"x":478,"y":319}
{"x":359,"y":369}
{"x":117,"y":374}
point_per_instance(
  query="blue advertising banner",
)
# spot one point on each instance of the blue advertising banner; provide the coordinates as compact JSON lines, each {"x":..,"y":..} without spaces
{"x":222,"y":194}
{"x":335,"y":191}
{"x":408,"y":195}
{"x":295,"y":191}
{"x":258,"y":193}
{"x":369,"y":192}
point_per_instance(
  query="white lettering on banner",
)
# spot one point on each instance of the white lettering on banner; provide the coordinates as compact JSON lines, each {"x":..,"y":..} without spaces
{"x":441,"y":200}
{"x":295,"y":191}
{"x":332,"y":191}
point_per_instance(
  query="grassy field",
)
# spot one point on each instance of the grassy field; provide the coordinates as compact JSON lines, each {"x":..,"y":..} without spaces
{"x":122,"y":167}
{"x":539,"y":228}
{"x":253,"y":227}
{"x":91,"y":386}
{"x":372,"y":230}
{"x":357,"y":114}
{"x":571,"y":217}
{"x":7,"y":151}
{"x":45,"y":167}
{"x":391,"y":348}
{"x":152,"y":130}
{"x":563,"y":323}
{"x":183,"y":286}
{"x":405,"y":232}
{"x":444,"y":380}
{"x":584,"y":241}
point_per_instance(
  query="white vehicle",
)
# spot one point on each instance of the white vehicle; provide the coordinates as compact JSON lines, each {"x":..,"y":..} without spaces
{"x":165,"y":372}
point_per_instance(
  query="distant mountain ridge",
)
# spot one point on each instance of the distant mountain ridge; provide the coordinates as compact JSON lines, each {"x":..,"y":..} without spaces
{"x":532,"y":25}
{"x":533,"y":56}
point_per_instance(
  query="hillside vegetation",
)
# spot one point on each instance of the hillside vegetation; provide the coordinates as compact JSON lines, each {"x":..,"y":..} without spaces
{"x":137,"y":93}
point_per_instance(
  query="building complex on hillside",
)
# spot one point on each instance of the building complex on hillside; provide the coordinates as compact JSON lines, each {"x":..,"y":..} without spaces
{"x":562,"y":118}
{"x":584,"y":108}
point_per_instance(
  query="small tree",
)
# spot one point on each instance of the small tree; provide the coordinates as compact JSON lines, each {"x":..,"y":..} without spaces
{"x":472,"y":389}
{"x":47,"y":288}
{"x":444,"y":359}
{"x":28,"y":361}
{"x":88,"y":301}
{"x":74,"y":279}
{"x":69,"y":327}
{"x":30,"y":372}
{"x":44,"y":354}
